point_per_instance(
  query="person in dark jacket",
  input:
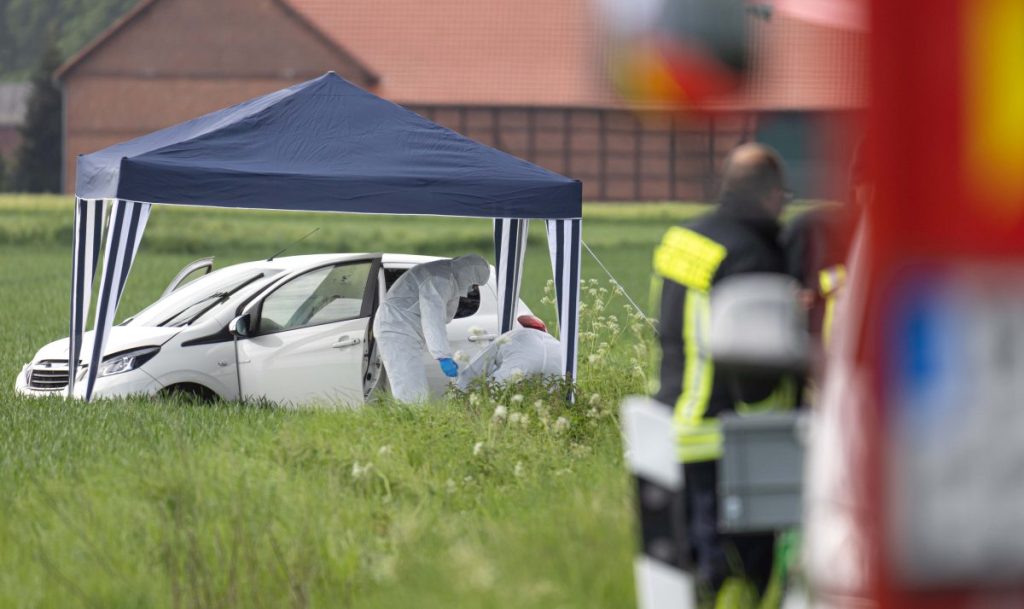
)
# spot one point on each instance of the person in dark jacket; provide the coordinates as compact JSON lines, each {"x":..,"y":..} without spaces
{"x":740,"y":236}
{"x":817,"y":243}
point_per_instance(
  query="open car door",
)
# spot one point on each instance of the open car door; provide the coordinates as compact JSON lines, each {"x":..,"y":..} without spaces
{"x":307,"y":337}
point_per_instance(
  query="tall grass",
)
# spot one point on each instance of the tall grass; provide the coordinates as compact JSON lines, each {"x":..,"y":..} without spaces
{"x":500,"y":497}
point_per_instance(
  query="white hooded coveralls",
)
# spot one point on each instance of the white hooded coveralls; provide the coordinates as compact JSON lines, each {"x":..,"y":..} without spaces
{"x":521,"y":352}
{"x":414,"y":316}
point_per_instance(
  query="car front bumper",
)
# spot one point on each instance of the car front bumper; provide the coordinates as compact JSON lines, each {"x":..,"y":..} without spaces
{"x":133,"y":382}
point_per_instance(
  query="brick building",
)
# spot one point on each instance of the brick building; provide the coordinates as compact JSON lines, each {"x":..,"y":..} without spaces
{"x":525,"y":76}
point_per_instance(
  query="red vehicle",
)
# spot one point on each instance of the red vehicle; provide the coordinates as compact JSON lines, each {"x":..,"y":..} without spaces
{"x":915,"y":491}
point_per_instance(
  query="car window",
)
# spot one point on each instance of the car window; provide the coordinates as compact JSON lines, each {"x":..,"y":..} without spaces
{"x":324,"y":295}
{"x":468,"y":305}
{"x":193,"y":301}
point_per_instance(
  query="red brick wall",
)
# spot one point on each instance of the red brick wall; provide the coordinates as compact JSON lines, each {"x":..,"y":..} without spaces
{"x":179,"y":59}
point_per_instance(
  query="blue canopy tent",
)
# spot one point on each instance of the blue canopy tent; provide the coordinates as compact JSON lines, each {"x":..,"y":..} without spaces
{"x":324,"y":145}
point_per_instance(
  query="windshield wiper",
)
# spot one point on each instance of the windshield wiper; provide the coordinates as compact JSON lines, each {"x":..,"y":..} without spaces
{"x":170,"y":321}
{"x":217,"y":299}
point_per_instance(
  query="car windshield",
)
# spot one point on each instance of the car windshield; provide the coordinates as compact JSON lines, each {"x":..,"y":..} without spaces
{"x":196,"y":299}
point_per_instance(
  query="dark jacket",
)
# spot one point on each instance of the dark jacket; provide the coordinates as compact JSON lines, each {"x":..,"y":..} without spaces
{"x":690,"y":260}
{"x":814,"y":241}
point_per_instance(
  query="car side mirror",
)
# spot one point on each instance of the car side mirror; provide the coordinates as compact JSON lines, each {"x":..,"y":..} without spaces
{"x":759,"y":325}
{"x":239,"y":326}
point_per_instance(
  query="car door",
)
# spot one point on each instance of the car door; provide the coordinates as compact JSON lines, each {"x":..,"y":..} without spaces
{"x":308,"y":336}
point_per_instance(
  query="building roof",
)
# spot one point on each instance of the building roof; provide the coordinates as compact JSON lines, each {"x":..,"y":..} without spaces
{"x":803,"y":65}
{"x":13,"y":103}
{"x":549,"y":53}
{"x":530,"y":52}
{"x":143,"y":5}
{"x":538,"y":52}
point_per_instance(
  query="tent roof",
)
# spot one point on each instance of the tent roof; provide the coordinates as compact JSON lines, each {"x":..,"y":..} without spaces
{"x":325,"y":145}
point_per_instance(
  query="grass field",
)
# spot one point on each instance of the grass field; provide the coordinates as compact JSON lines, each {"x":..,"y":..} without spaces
{"x":143,"y":503}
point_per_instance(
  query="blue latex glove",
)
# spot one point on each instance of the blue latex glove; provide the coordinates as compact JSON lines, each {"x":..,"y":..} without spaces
{"x":449,"y":367}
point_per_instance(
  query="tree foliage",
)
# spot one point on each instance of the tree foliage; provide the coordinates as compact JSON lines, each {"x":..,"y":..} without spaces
{"x":37,"y":166}
{"x":27,"y":26}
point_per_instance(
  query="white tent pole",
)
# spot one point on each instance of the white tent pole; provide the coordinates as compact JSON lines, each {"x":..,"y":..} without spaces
{"x":564,"y":238}
{"x":509,"y":250}
{"x":85,"y":251}
{"x":127,"y":222}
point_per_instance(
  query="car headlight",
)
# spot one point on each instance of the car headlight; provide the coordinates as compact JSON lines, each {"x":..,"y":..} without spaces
{"x":129,"y":360}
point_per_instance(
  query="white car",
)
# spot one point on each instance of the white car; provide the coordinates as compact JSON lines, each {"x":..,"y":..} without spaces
{"x":299,"y":328}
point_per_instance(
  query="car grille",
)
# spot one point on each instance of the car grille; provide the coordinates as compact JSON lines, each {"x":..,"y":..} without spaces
{"x":49,"y":375}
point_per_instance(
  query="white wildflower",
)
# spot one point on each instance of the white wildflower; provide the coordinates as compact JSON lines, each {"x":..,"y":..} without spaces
{"x":474,"y":399}
{"x":516,"y":375}
{"x":461,"y":358}
{"x":477,"y":331}
{"x":450,"y":487}
{"x":594,"y":358}
{"x":517,"y":398}
{"x":594,"y":398}
{"x":515,"y":418}
{"x":561,"y":425}
{"x":499,"y":416}
{"x":360,"y":471}
{"x":593,"y":413}
{"x":384,"y":450}
{"x":580,"y":450}
{"x":519,"y":470}
{"x":478,"y":449}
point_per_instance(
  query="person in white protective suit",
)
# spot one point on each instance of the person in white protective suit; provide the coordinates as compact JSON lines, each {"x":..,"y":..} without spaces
{"x":515,"y":354}
{"x":414,"y":316}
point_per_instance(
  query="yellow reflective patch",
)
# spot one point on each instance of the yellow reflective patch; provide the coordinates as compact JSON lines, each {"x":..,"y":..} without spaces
{"x":994,"y":90}
{"x":831,"y":279}
{"x":688,"y":258}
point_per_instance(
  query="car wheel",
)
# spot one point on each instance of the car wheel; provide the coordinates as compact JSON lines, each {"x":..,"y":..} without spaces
{"x":189,"y":393}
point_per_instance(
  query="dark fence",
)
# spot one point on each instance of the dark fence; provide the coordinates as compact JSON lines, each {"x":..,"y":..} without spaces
{"x":619,"y":155}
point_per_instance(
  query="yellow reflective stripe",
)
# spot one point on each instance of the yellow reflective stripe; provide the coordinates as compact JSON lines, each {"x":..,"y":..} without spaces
{"x":699,"y":454}
{"x":782,"y":398}
{"x":688,"y":258}
{"x":700,"y":442}
{"x":698,"y":439}
{"x":827,"y":319}
{"x":699,"y":370}
{"x":830,"y":280}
